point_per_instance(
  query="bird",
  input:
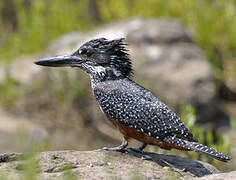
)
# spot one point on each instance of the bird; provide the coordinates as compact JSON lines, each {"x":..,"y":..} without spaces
{"x":134,"y":110}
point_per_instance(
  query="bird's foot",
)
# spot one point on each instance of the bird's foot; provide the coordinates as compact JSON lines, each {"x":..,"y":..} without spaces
{"x":119,"y":149}
{"x":139,"y":149}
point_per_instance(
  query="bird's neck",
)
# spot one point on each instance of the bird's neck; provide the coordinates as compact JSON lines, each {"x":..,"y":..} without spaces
{"x":100,"y":74}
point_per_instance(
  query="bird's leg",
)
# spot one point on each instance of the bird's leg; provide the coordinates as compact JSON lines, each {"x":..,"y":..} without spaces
{"x":123,"y":145}
{"x":140,"y":148}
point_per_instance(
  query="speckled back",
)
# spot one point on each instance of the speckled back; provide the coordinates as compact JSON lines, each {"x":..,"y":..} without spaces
{"x":129,"y":103}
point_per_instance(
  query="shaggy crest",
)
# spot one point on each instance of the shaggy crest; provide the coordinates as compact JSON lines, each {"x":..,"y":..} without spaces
{"x":108,"y":54}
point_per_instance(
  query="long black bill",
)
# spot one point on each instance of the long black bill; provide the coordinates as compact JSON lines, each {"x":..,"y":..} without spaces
{"x":60,"y":61}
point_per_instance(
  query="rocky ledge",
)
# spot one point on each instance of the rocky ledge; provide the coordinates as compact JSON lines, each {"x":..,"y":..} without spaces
{"x":101,"y":164}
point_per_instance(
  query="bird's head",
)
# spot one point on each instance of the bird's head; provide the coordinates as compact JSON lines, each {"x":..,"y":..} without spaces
{"x":98,"y":57}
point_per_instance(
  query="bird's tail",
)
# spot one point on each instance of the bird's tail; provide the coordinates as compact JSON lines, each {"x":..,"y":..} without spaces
{"x":197,"y":147}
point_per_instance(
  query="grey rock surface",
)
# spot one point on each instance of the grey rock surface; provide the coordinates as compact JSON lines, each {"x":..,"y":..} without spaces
{"x":101,"y":164}
{"x":159,"y":31}
{"x":220,"y":176}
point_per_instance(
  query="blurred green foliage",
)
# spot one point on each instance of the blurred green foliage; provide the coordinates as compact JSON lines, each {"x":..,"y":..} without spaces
{"x":30,"y":166}
{"x":39,"y":22}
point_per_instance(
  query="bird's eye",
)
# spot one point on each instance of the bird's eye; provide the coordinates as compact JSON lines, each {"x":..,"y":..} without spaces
{"x":86,"y":52}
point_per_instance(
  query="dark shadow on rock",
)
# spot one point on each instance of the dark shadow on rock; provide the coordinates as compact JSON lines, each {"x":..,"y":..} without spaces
{"x":8,"y":157}
{"x":173,"y":161}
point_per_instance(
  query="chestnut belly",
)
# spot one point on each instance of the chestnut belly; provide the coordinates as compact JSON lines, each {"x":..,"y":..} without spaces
{"x":129,"y":132}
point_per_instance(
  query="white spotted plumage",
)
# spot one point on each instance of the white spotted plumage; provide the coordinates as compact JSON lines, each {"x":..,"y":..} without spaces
{"x":128,"y":103}
{"x":195,"y":146}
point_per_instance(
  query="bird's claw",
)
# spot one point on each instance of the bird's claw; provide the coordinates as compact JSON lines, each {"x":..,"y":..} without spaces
{"x":146,"y":157}
{"x":119,"y":149}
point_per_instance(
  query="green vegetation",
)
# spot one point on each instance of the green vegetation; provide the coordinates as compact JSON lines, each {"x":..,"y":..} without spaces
{"x":30,"y":166}
{"x":39,"y":22}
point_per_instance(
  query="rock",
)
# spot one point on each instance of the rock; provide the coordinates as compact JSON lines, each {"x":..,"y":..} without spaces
{"x":66,"y":41}
{"x":173,"y":69}
{"x":101,"y":164}
{"x":159,"y":31}
{"x":220,"y":176}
